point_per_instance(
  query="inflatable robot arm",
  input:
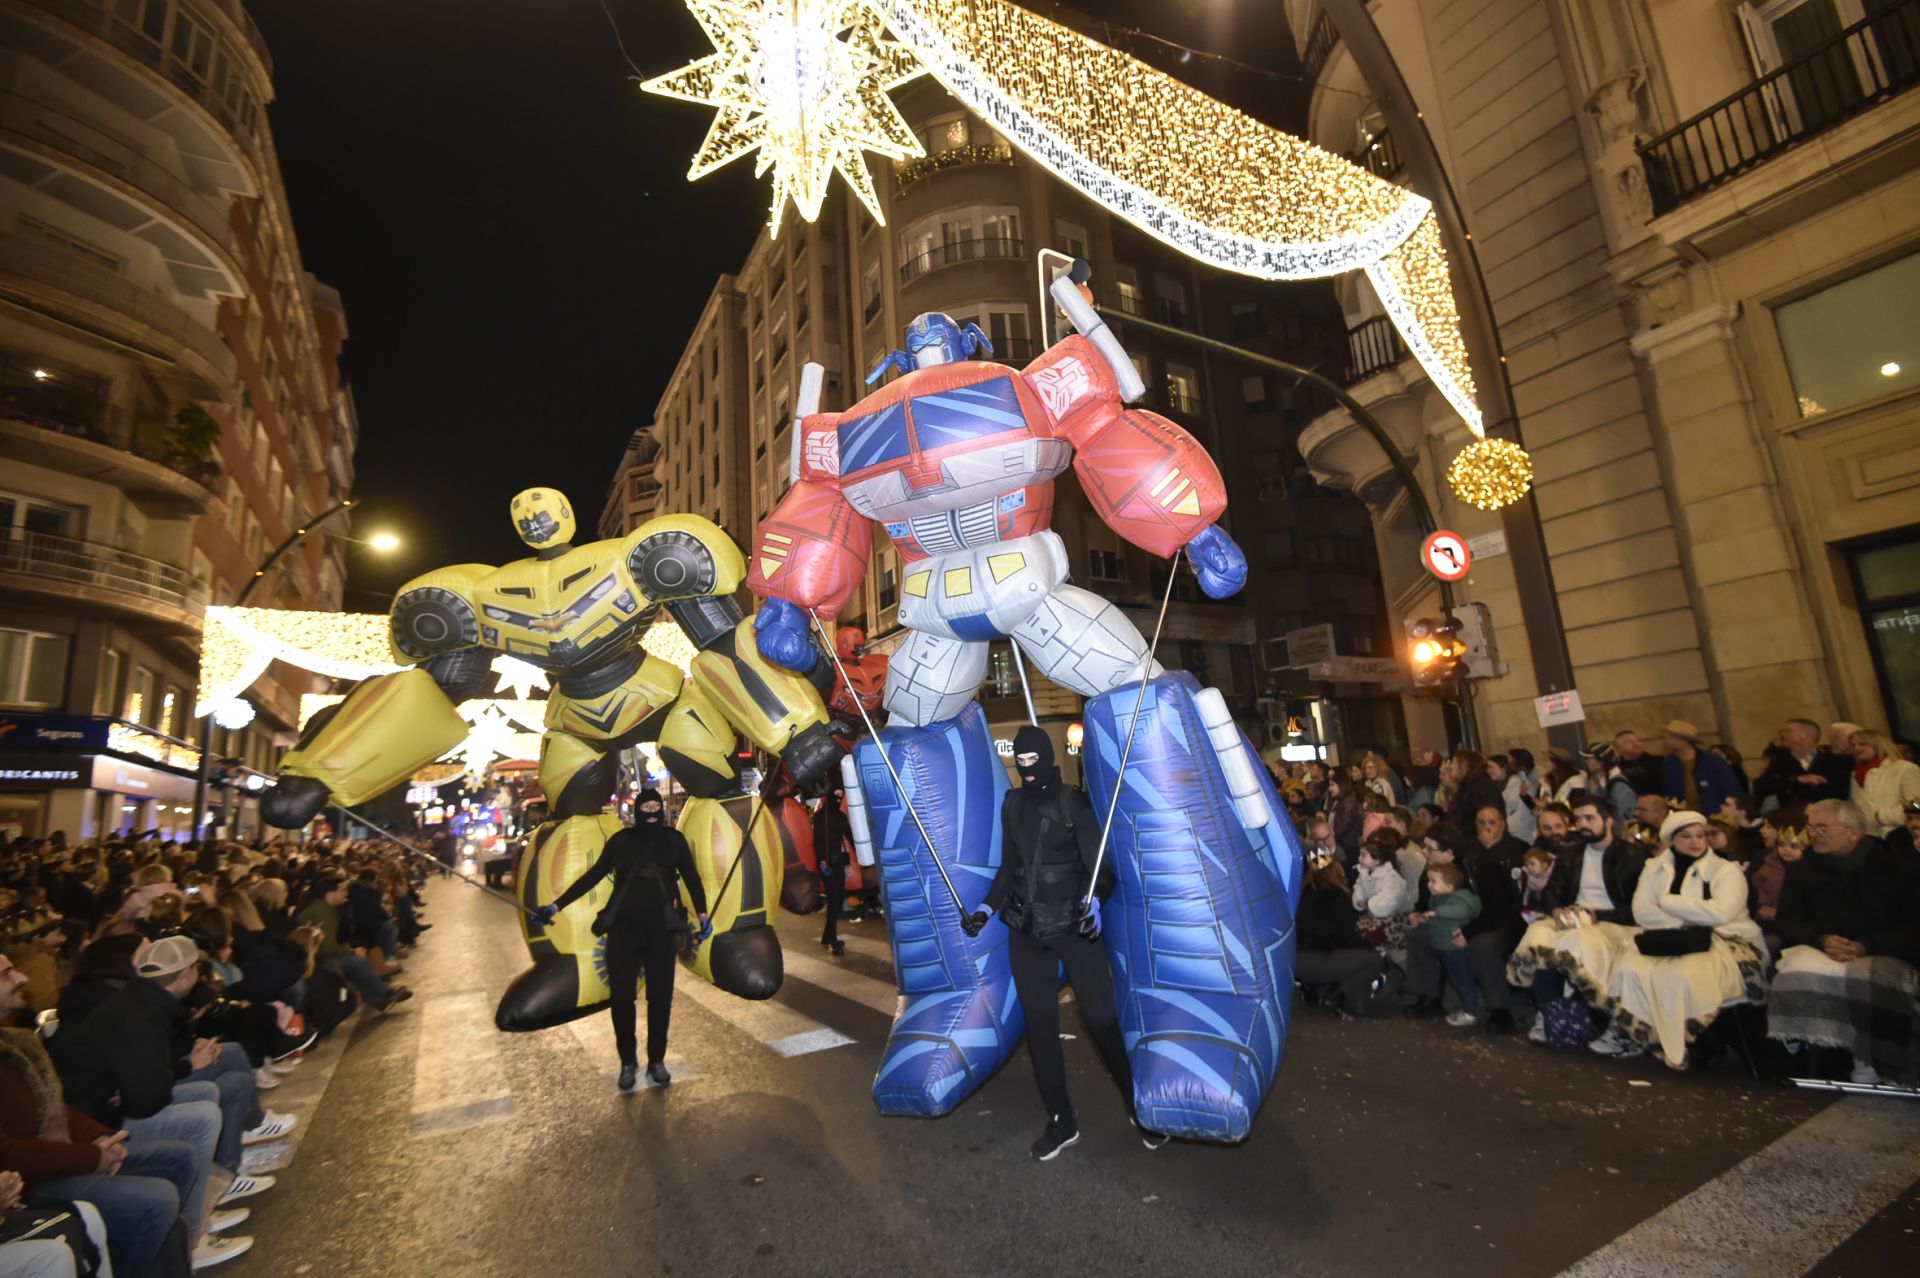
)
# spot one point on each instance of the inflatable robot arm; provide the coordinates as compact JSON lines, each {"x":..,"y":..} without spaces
{"x":390,"y":726}
{"x":811,"y":551}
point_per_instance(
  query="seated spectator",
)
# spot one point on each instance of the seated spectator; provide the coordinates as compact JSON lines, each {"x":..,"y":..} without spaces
{"x":272,"y":968}
{"x":1516,"y":787}
{"x":1331,"y":957}
{"x":1698,"y":951}
{"x":270,"y":899}
{"x":1473,"y":789}
{"x":1803,"y":770}
{"x":1605,"y":778}
{"x":1564,"y":775}
{"x":1840,"y":737}
{"x":101,"y":969}
{"x":1581,"y":940}
{"x":1650,"y":812}
{"x":1905,"y":838}
{"x":1453,"y":905}
{"x":1555,"y":831}
{"x":150,"y":882}
{"x":42,"y":956}
{"x":1540,"y":887}
{"x":1696,"y":779}
{"x":1490,"y":935}
{"x":1884,"y":782}
{"x":322,"y":912}
{"x":1645,"y":772}
{"x":1381,"y":893}
{"x":1490,"y":828}
{"x":1850,"y":921}
{"x":368,"y":923}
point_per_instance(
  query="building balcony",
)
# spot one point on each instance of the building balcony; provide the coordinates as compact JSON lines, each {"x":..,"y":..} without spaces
{"x":999,"y":248}
{"x":75,"y":437}
{"x":93,"y":577}
{"x":1847,"y":76}
{"x":1373,"y":346}
{"x":68,"y":159}
{"x":105,"y":304}
{"x":1380,"y":156}
{"x":1321,"y":42}
{"x":913,"y":172}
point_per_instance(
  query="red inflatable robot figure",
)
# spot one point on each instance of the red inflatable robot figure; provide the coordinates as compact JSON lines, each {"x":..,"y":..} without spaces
{"x":860,"y":680}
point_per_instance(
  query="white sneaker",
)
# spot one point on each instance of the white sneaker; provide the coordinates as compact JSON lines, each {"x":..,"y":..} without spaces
{"x":1538,"y":1034}
{"x":1614,"y":1043}
{"x":221,"y":1221}
{"x":284,"y":1067}
{"x":1462,"y":1018}
{"x":272,"y":1127}
{"x":215,"y":1250}
{"x":263,"y":1158}
{"x":265,"y":1079}
{"x":1865,"y":1075}
{"x":245,"y":1186}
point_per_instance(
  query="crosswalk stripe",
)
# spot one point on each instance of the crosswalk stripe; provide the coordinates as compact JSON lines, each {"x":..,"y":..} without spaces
{"x":778,"y":1027}
{"x":595,"y":1036}
{"x":459,"y":1080}
{"x":838,"y":979}
{"x":1778,"y":1212}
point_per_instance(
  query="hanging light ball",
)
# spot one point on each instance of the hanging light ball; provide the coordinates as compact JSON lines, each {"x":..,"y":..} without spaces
{"x":234,"y":713}
{"x":1491,"y":473}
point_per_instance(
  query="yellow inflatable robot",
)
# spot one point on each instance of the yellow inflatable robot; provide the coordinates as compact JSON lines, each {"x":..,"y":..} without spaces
{"x":578,"y":612}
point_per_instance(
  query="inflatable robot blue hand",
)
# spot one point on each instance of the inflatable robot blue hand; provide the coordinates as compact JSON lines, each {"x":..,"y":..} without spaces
{"x":1220,"y":565}
{"x":705,"y":929}
{"x":1086,"y":918}
{"x":780,"y":629}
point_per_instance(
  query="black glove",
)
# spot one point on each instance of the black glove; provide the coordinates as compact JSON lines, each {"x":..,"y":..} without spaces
{"x":972,"y":924}
{"x":544,"y":914}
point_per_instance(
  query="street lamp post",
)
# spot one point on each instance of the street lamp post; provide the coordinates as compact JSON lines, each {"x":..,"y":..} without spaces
{"x":265,"y":566}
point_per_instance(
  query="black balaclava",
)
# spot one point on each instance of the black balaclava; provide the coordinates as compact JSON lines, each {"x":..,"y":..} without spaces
{"x":644,"y":817}
{"x":1044,"y":774}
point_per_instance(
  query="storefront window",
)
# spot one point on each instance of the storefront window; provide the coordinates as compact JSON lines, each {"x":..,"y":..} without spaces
{"x":1887,"y":579}
{"x":1856,"y":340}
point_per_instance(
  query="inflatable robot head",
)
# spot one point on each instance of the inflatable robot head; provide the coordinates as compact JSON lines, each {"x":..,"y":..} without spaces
{"x":850,"y":642}
{"x":933,"y":339}
{"x":543,"y":518}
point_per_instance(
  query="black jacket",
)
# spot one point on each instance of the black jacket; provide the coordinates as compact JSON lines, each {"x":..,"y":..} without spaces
{"x":1499,"y":899}
{"x":1326,"y":921}
{"x":1509,"y":852}
{"x":268,"y":964}
{"x":366,"y":913}
{"x":1646,"y":774}
{"x":1480,"y":792}
{"x":135,"y":1043}
{"x":831,"y":830}
{"x":1871,"y":895}
{"x":1620,"y":866}
{"x":1064,"y":856}
{"x":644,"y":863}
{"x":1781,"y":780}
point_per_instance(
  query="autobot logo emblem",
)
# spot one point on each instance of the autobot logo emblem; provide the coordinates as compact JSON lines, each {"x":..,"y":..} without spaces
{"x":823,"y":452}
{"x":1061,"y":384}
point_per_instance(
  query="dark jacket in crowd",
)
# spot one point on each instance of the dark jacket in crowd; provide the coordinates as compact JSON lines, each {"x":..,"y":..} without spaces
{"x":1509,"y":852}
{"x":136,"y":1044}
{"x":29,"y":1089}
{"x":1781,"y":780}
{"x":1326,"y":921}
{"x":1646,"y":774}
{"x":1481,"y":792}
{"x":268,"y":964}
{"x":1492,"y":882}
{"x":366,"y":913}
{"x":1620,"y":866}
{"x":1713,"y":777}
{"x":1871,"y":895}
{"x":83,"y":996}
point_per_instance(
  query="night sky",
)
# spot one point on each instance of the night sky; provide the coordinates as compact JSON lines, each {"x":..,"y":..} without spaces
{"x":507,"y":219}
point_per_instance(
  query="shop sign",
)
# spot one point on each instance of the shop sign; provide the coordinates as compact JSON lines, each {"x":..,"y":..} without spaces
{"x":69,"y":734}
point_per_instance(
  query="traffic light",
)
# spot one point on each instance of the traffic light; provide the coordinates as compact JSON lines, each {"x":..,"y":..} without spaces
{"x":1476,"y":632}
{"x":1435,"y":651}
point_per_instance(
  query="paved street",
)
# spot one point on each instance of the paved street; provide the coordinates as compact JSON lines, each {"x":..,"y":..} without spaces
{"x":440,"y":1146}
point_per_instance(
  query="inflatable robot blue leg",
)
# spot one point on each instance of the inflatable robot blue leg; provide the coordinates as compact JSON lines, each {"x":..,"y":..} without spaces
{"x":959,"y":1019}
{"x":1200,"y":928}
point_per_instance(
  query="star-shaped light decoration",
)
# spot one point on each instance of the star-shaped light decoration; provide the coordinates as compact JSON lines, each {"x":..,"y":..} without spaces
{"x":490,"y":736}
{"x":517,"y":677}
{"x":804,"y":83}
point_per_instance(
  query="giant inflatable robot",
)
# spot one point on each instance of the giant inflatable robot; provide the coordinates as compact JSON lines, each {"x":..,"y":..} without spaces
{"x":578,"y":612}
{"x":956,"y":459}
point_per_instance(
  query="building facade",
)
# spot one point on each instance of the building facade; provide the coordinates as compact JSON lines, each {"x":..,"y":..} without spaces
{"x":1699,"y":225}
{"x":171,"y":405}
{"x":963,"y":227}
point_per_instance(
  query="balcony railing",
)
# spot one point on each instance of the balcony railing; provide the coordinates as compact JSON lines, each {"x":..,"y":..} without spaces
{"x":95,"y":567}
{"x":913,"y":171}
{"x":1320,"y":46}
{"x":1380,"y":156}
{"x":960,"y":251}
{"x":1373,"y":346}
{"x":1862,"y":65}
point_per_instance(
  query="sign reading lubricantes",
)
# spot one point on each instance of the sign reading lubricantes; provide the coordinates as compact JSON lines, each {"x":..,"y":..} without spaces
{"x":1445,"y":555}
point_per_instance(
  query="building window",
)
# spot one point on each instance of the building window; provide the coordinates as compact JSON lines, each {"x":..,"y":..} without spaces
{"x":1183,"y":389}
{"x":142,"y":696}
{"x":1173,"y":301}
{"x":33,"y":667}
{"x":1886,"y":580}
{"x":36,"y":518}
{"x":1278,"y":545}
{"x":1133,"y":298}
{"x":959,"y":235}
{"x":34,"y":229}
{"x":889,"y":589}
{"x":1856,"y":340}
{"x":106,"y":693}
{"x":870,"y":289}
{"x":1253,"y":393}
{"x":1246,"y":320}
{"x":1070,"y":238}
{"x":1823,"y":80}
{"x":1105,"y":565}
{"x":1003,"y":677}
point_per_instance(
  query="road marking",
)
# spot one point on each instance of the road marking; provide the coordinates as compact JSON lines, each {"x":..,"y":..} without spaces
{"x":595,"y":1036}
{"x":1779,"y":1212}
{"x":777,"y":1027}
{"x":458,"y":1078}
{"x":836,"y":978}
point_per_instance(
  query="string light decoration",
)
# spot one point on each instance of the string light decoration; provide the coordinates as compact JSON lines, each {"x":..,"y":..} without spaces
{"x":1491,"y":473}
{"x":239,"y":644}
{"x":804,"y":83}
{"x":665,"y":640}
{"x":233,"y":714}
{"x":1416,"y":288}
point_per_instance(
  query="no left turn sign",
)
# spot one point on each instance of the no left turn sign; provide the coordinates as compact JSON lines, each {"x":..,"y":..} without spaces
{"x":1445,"y":555}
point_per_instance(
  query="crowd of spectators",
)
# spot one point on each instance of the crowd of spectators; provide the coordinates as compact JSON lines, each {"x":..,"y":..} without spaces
{"x":150,"y":993}
{"x":1625,"y":902}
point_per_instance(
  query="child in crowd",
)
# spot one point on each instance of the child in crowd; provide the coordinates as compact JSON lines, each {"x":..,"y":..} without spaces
{"x":1541,"y":892}
{"x":1379,"y":890}
{"x":1453,"y":907}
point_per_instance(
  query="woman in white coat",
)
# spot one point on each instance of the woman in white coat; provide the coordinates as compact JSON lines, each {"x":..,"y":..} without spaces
{"x":1664,"y":1000}
{"x":1883,"y":781}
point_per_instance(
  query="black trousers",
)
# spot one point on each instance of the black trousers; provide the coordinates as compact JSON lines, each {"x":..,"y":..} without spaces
{"x":1036,"y":975}
{"x":630,"y":950}
{"x":833,"y":883}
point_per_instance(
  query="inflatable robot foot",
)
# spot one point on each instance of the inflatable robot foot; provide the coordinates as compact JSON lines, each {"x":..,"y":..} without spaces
{"x":546,"y":994}
{"x":1200,"y":927}
{"x":959,"y":1019}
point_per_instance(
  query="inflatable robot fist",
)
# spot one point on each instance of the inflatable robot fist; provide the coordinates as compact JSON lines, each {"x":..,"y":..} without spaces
{"x":578,"y":612}
{"x":956,"y":458}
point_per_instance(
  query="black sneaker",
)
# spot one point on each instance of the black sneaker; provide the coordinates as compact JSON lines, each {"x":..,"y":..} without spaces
{"x":658,"y":1073}
{"x":1061,"y":1132}
{"x":629,"y":1075}
{"x":839,"y":949}
{"x":1151,"y":1139}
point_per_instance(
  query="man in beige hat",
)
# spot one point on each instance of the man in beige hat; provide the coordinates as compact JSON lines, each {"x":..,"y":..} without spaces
{"x":1697,"y":780}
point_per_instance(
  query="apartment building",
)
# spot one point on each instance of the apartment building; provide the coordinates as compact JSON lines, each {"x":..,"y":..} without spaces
{"x":962,"y":230}
{"x":1698,"y":225}
{"x":171,"y":406}
{"x":634,"y":495}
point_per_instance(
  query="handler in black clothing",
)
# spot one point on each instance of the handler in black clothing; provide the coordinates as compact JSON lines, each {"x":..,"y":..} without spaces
{"x":831,"y":830}
{"x":1049,"y":839}
{"x":648,"y":861}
